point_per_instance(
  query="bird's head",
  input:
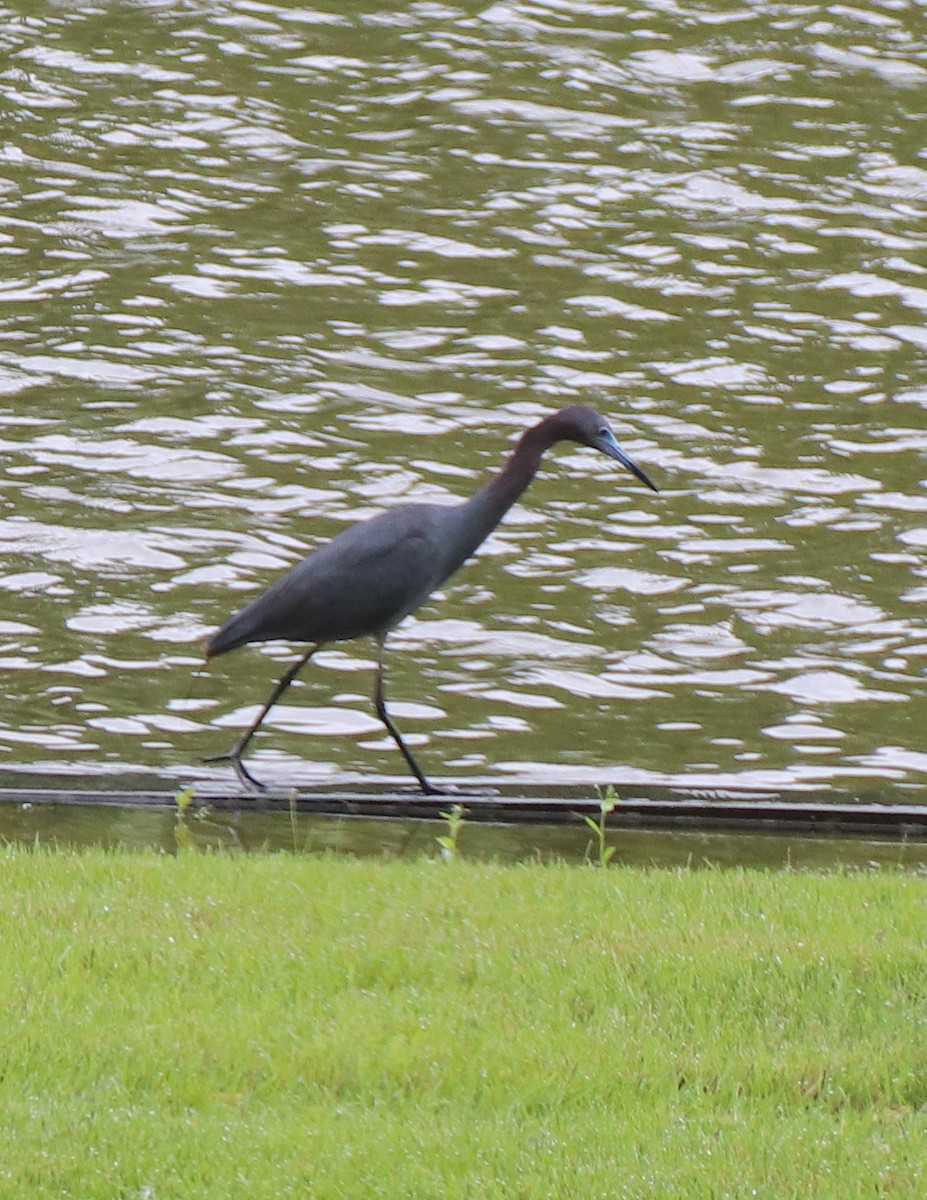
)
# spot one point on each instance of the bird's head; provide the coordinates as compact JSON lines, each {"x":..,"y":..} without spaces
{"x":582,"y":424}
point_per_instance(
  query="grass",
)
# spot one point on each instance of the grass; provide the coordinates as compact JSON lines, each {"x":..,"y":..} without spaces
{"x":273,"y":1026}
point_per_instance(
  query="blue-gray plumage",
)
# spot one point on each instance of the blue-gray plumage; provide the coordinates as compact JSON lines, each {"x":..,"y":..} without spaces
{"x":374,"y":574}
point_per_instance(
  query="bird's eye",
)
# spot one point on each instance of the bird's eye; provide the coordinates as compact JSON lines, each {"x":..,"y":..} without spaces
{"x":604,"y":432}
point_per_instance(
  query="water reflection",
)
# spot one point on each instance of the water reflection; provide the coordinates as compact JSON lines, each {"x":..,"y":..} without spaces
{"x":203,"y":830}
{"x":270,"y":269}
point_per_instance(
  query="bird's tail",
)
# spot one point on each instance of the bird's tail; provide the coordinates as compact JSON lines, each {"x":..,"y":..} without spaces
{"x":234,"y":633}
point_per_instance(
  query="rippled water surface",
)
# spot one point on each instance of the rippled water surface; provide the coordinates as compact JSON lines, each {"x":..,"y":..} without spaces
{"x":268,"y":269}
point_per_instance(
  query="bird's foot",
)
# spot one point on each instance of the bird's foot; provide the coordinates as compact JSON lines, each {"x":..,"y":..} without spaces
{"x":245,"y":777}
{"x":427,"y":788}
{"x":457,"y":790}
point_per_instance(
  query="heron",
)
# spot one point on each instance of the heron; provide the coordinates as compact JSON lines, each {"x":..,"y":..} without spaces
{"x":374,"y":574}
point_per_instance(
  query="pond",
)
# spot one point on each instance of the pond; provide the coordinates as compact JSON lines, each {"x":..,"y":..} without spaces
{"x":270,"y":269}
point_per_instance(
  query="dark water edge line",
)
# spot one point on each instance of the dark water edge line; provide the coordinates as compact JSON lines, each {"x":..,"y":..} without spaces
{"x":748,"y":812}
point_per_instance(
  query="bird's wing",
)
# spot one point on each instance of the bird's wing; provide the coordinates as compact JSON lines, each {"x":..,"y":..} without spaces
{"x":362,"y":582}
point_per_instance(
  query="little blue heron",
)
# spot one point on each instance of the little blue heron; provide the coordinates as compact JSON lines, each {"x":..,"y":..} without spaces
{"x":375,"y":573}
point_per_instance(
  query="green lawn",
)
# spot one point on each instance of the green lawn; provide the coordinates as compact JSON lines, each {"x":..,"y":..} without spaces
{"x":276,"y":1026}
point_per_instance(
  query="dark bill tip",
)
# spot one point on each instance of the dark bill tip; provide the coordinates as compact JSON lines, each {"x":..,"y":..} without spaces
{"x":610,"y":447}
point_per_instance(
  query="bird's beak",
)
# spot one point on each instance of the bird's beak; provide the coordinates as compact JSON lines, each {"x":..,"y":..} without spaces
{"x":608,"y":445}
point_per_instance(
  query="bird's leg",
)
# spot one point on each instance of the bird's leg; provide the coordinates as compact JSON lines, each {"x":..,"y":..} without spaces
{"x":234,"y":755}
{"x":379,"y":701}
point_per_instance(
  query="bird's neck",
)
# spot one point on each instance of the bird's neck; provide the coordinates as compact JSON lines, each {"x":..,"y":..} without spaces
{"x":505,"y":487}
{"x":480,"y":515}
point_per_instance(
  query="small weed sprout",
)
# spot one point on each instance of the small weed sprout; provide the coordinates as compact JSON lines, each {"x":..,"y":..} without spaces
{"x":293,"y":820}
{"x":607,"y":801}
{"x":182,"y":835}
{"x":448,"y":841}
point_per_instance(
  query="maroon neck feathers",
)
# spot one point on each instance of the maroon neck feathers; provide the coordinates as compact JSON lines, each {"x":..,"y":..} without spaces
{"x":484,"y":510}
{"x":478,"y":517}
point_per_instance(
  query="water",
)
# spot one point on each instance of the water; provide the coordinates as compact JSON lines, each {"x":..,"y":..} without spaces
{"x":161,"y":830}
{"x":268,"y":269}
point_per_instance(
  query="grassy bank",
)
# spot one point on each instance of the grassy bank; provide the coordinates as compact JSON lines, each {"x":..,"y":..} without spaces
{"x":221,"y":1026}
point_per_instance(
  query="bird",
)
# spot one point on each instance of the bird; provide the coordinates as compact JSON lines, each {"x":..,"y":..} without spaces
{"x":374,"y":574}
